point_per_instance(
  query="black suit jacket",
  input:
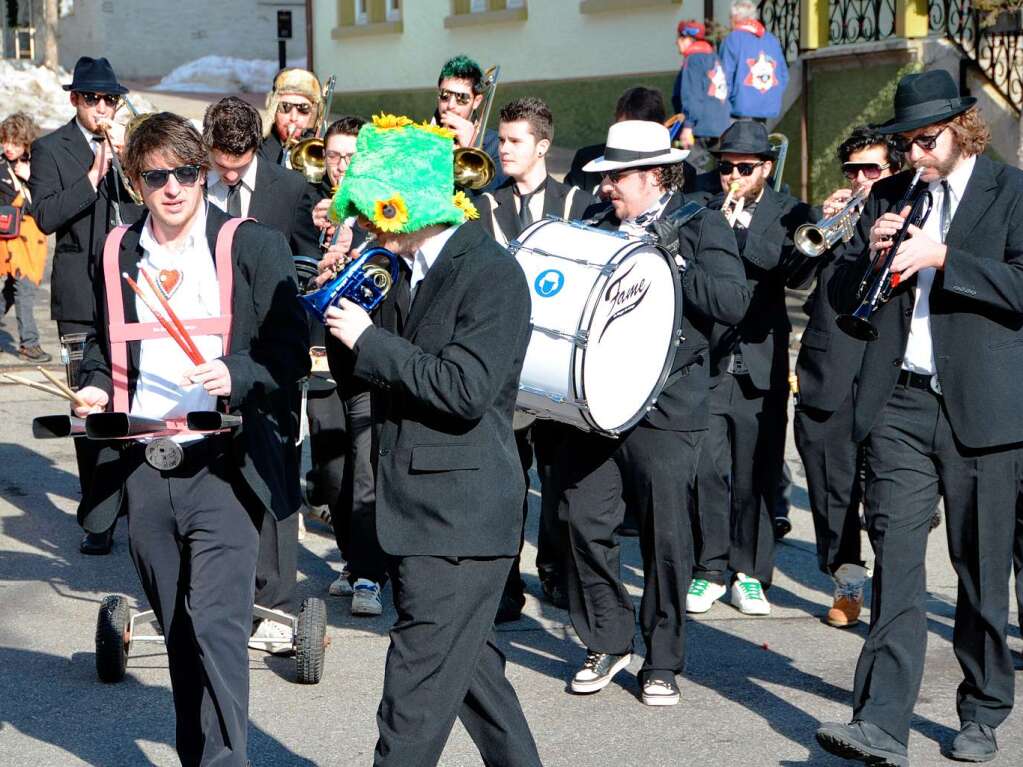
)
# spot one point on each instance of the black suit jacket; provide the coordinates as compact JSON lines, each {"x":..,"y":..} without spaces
{"x":449,"y":481}
{"x":500,"y":205}
{"x":284,"y":200}
{"x":64,"y":203}
{"x":976,"y":311}
{"x":713,"y":290}
{"x":763,"y":335}
{"x":269,"y":354}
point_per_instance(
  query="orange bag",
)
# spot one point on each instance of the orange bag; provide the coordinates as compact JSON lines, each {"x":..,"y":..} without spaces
{"x":25,"y":255}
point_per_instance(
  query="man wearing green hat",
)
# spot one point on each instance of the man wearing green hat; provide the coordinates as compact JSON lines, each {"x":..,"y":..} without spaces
{"x":449,"y":485}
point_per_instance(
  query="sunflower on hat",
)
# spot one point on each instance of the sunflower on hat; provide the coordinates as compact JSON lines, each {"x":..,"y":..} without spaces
{"x":402,"y":177}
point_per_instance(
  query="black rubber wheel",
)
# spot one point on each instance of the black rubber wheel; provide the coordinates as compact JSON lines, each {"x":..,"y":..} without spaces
{"x":112,"y":639}
{"x":310,"y":643}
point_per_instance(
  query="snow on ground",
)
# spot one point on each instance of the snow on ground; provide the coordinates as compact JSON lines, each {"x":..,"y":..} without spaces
{"x":223,"y":74}
{"x":37,"y":91}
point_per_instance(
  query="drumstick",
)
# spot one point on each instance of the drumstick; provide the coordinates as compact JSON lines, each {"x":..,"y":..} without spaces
{"x":170,"y":312}
{"x":55,"y":380}
{"x":38,"y":386}
{"x":171,"y":330}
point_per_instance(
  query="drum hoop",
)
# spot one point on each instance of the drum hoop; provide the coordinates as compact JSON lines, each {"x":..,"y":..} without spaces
{"x":669,"y":357}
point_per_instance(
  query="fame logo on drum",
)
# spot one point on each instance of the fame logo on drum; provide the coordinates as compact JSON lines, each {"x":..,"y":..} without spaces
{"x":623,"y":297}
{"x":549,"y":283}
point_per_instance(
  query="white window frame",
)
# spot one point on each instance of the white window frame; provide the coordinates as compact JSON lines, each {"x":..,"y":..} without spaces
{"x":361,"y":12}
{"x":394,"y":10}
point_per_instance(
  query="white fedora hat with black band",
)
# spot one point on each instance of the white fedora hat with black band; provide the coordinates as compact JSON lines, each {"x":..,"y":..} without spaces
{"x":634,"y":144}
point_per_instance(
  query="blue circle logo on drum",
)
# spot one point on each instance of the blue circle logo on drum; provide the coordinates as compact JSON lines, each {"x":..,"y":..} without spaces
{"x":549,"y":283}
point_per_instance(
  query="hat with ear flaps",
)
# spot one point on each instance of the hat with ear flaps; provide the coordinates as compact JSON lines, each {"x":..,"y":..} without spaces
{"x":401,"y":177}
{"x":300,"y":82}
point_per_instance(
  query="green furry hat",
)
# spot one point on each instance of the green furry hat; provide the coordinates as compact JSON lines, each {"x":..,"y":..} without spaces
{"x":402,"y":177}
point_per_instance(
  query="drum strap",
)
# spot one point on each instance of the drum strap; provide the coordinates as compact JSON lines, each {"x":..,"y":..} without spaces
{"x":685,"y":214}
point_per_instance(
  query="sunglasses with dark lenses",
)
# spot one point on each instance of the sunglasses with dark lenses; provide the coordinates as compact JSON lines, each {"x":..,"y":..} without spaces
{"x":617,"y":175}
{"x":92,"y":99}
{"x":870,"y":170}
{"x":157,"y":179}
{"x":725,"y":167}
{"x":444,"y":95}
{"x":927,"y":143}
{"x":285,"y":108}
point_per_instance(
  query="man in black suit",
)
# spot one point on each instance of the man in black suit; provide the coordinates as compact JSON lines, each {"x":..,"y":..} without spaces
{"x":449,"y":485}
{"x":525,"y":134}
{"x":744,"y":451}
{"x":243,"y":185}
{"x":653,"y":465}
{"x":77,"y":196}
{"x":192,"y":526}
{"x":826,"y":370}
{"x":936,"y":400}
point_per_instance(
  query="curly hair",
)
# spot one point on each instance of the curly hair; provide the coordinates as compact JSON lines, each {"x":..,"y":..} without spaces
{"x":233,"y":126}
{"x":670,"y":177}
{"x":19,"y":128}
{"x":970,"y":131}
{"x":461,"y":67}
{"x":163,"y":133}
{"x":862,"y":137}
{"x":349,"y":125}
{"x":533,"y":111}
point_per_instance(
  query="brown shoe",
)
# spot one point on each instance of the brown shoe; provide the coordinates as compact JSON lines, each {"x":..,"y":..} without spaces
{"x":34,"y":354}
{"x":848,"y":602}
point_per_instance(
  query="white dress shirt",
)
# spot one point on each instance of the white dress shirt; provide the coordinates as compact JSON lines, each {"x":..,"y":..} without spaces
{"x":427,"y":254}
{"x":89,"y":137}
{"x":919,"y":356}
{"x":216,"y":189}
{"x":159,"y":392}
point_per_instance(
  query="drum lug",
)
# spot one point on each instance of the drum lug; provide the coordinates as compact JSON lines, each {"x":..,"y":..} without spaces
{"x":579,"y":339}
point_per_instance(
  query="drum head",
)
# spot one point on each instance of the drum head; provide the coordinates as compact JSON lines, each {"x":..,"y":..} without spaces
{"x":632,"y":330}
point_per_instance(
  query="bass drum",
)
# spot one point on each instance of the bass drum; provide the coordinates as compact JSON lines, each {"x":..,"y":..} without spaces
{"x":606,"y":321}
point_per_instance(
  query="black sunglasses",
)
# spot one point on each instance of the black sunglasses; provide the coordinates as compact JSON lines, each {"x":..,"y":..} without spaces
{"x":927,"y":143}
{"x":619,"y":173}
{"x":444,"y":95}
{"x":157,"y":179}
{"x":285,"y":108}
{"x":92,"y":99}
{"x":725,"y":167}
{"x":870,"y":170}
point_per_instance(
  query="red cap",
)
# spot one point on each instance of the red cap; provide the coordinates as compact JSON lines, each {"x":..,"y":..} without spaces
{"x":692,"y":28}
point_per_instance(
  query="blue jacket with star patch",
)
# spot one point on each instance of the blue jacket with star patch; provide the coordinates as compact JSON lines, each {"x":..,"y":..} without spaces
{"x":756,"y":72}
{"x":701,"y":92}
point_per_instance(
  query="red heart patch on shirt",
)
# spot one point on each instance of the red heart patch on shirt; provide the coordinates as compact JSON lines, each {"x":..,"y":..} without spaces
{"x":168,"y":280}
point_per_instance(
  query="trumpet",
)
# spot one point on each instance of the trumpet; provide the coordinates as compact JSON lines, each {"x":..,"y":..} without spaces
{"x":815,"y":240}
{"x":474,"y":168}
{"x":878,"y":280}
{"x":733,"y":204}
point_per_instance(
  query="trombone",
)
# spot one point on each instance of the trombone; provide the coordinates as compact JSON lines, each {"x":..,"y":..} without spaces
{"x":474,"y":168}
{"x":134,"y":122}
{"x":878,"y":281}
{"x":308,"y":156}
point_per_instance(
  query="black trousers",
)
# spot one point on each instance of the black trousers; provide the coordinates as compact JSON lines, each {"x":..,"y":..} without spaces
{"x":194,"y":547}
{"x":328,"y":442}
{"x":443,"y":663}
{"x":655,"y":472}
{"x":738,"y":477}
{"x":1017,"y":563}
{"x":912,"y":459}
{"x":277,"y":565}
{"x":354,"y":515}
{"x":86,"y":450}
{"x":832,"y":461}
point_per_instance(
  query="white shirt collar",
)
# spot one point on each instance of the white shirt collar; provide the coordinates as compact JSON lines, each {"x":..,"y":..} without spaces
{"x":428,"y":254}
{"x":88,"y":135}
{"x":248,"y":179}
{"x":196,"y":235}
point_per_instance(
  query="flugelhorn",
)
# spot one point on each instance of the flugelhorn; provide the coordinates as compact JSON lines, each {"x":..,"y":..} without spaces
{"x":474,"y":168}
{"x":878,"y":281}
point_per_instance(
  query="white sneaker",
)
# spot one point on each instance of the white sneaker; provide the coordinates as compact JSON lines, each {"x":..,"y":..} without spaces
{"x":702,"y":595}
{"x":274,"y":638}
{"x":748,"y":596}
{"x":342,"y":587}
{"x":366,"y":598}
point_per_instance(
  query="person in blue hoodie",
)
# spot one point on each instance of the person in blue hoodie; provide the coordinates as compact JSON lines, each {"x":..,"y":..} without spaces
{"x":700,"y":93}
{"x":754,"y":65}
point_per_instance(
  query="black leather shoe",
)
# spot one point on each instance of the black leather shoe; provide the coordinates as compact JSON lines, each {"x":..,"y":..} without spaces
{"x":782,"y":527}
{"x":554,"y":591}
{"x":97,"y":544}
{"x":864,"y":742}
{"x":510,"y":608}
{"x":974,"y":743}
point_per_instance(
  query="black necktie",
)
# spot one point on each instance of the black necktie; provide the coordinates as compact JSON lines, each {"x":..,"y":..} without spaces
{"x":525,"y":215}
{"x":403,"y":293}
{"x":234,"y":200}
{"x":946,"y":209}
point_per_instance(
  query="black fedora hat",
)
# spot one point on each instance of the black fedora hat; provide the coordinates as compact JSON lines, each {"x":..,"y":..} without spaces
{"x":744,"y":137}
{"x":924,"y":99}
{"x":95,"y":76}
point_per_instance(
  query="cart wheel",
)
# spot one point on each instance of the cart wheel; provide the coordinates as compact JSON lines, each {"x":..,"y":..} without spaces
{"x":112,"y":639}
{"x":310,"y":641}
